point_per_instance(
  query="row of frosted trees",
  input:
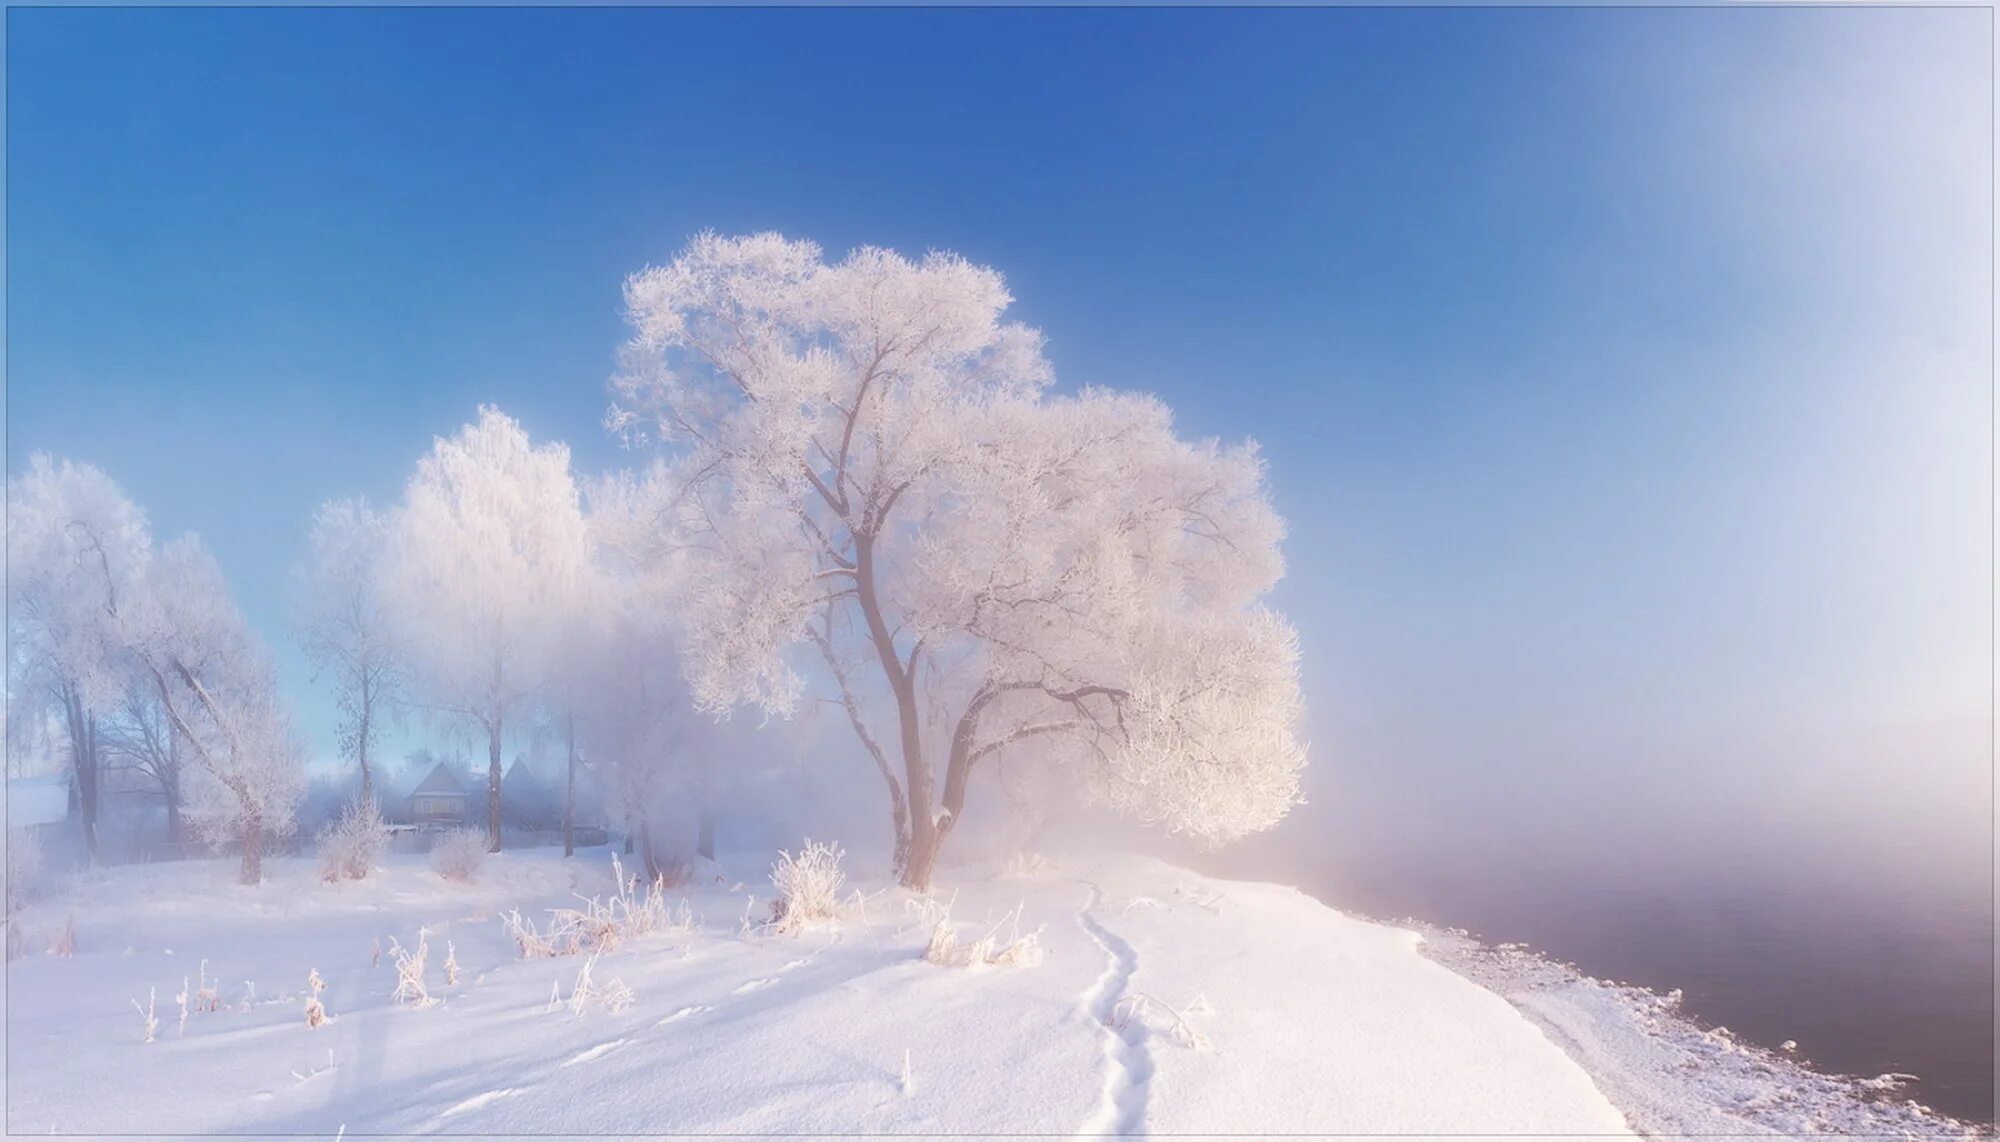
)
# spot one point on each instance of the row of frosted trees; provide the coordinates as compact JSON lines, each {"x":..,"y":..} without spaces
{"x":863,"y":492}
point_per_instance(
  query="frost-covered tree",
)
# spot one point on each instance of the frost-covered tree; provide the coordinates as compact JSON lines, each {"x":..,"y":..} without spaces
{"x":345,"y":629}
{"x":482,"y":558}
{"x":77,"y":553}
{"x":139,"y":736}
{"x":635,"y":718}
{"x":219,"y":690}
{"x":867,"y":462}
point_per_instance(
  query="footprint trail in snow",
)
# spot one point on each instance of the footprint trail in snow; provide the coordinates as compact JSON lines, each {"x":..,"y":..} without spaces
{"x":1128,"y":1065}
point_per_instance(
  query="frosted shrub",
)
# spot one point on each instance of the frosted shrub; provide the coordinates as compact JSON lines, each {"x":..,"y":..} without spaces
{"x":808,"y":886}
{"x":24,"y":863}
{"x":450,"y":964}
{"x":459,"y":853}
{"x":349,"y":847}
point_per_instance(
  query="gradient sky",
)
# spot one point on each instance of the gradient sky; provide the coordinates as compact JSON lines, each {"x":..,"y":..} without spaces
{"x":1625,"y":375}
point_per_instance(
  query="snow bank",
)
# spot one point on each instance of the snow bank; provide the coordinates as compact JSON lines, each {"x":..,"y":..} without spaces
{"x":1673,"y":1076}
{"x":1166,"y":1003}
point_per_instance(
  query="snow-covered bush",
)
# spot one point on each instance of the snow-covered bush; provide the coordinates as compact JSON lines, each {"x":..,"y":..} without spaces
{"x":459,"y":853}
{"x":808,"y":886}
{"x":24,"y":863}
{"x":349,"y":847}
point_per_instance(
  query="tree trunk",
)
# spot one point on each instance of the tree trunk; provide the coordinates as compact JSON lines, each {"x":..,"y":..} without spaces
{"x":704,"y":843}
{"x":922,"y":859}
{"x":923,"y":837}
{"x":253,"y":854}
{"x":493,"y":787}
{"x":174,"y":820}
{"x":361,"y":752}
{"x":647,"y":856}
{"x":569,"y":792}
{"x":628,"y":844}
{"x":87,"y":786}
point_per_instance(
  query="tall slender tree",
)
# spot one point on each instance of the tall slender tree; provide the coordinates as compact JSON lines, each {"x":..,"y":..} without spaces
{"x":345,"y":629}
{"x":219,"y":690}
{"x":78,"y":553}
{"x":483,"y":555}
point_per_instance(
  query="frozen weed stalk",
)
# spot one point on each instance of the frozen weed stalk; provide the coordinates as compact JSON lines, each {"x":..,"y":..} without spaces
{"x":146,"y":1013}
{"x":315,"y":1013}
{"x":410,"y":973}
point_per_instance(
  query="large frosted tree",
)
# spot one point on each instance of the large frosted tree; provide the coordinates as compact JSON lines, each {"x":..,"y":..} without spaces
{"x":483,"y":558}
{"x":219,"y":691}
{"x":78,"y":553}
{"x":867,"y":464}
{"x":344,"y":627}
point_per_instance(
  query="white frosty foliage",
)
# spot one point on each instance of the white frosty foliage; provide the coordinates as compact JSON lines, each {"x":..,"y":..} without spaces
{"x":350,"y":848}
{"x":343,"y":624}
{"x":219,"y":689}
{"x":808,"y":886}
{"x":866,"y":465}
{"x":77,"y":556}
{"x":481,"y":561}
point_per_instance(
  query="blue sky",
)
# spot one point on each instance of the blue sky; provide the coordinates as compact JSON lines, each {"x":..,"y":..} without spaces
{"x":1624,"y":374}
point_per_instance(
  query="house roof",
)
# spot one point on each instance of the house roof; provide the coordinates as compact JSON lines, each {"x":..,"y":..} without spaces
{"x":440,"y":780}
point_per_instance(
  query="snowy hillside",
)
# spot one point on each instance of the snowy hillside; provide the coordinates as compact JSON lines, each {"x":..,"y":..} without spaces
{"x":1151,"y":999}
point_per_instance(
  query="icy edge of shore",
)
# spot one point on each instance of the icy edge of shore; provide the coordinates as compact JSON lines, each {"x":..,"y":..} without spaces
{"x":1667,"y":1072}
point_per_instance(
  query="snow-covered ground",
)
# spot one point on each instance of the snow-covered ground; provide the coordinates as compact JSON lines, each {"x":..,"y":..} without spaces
{"x":1165,"y":1002}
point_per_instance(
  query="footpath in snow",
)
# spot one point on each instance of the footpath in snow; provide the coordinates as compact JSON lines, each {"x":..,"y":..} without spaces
{"x":1164,"y":1002}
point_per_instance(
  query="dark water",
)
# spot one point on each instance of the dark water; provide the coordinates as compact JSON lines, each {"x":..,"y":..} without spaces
{"x":1867,"y":979}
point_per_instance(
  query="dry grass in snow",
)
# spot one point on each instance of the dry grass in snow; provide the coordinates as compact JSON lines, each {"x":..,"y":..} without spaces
{"x":946,"y":949}
{"x":808,"y":887}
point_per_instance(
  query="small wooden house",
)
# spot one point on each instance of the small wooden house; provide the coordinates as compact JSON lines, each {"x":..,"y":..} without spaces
{"x":439,"y":798}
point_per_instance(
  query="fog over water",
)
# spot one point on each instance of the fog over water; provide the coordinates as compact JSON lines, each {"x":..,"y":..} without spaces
{"x":1864,"y":935}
